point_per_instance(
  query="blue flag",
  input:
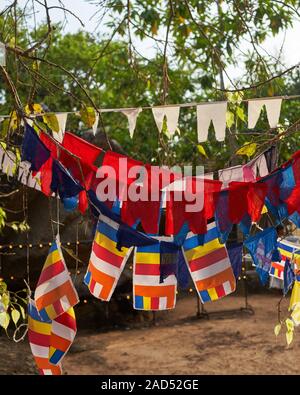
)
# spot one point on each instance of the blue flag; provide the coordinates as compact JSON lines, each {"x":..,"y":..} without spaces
{"x":33,"y":149}
{"x":262,"y":246}
{"x":63,"y":183}
{"x":288,"y":277}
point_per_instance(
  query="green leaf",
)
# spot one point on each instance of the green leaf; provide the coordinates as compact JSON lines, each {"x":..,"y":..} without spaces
{"x":202,"y":150}
{"x":88,"y":116}
{"x":4,"y":320}
{"x":277,"y":329}
{"x":229,"y":119}
{"x":22,"y":310}
{"x":5,"y":299}
{"x":15,"y":315}
{"x":289,"y":325}
{"x":52,"y":122}
{"x":289,"y":337}
{"x":240,"y":113}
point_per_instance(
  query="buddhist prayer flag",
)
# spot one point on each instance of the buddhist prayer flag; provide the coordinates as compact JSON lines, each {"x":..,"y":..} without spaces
{"x":148,"y":292}
{"x":33,"y":149}
{"x":55,"y":293}
{"x":63,"y":332}
{"x":209,"y":265}
{"x":106,"y":261}
{"x":39,"y":333}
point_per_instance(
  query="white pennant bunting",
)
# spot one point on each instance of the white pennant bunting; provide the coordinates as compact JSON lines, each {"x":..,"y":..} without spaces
{"x":62,"y":121}
{"x":215,"y":112}
{"x":132,"y":115}
{"x":95,"y":126}
{"x":172,"y":115}
{"x":273,"y":107}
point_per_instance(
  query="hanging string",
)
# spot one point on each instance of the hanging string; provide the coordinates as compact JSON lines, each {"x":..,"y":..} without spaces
{"x":25,"y":209}
{"x":76,"y":254}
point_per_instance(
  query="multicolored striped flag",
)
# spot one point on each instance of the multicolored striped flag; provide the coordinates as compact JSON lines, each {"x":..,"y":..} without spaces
{"x":63,"y":332}
{"x":209,"y":265}
{"x":55,"y":293}
{"x":289,"y":252}
{"x":106,"y":261}
{"x":148,"y":292}
{"x":39,"y":333}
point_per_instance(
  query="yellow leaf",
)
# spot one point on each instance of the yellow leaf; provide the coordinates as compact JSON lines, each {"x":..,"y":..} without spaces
{"x":202,"y":150}
{"x":247,"y":149}
{"x":33,"y":109}
{"x":52,"y":122}
{"x":88,"y":116}
{"x":277,"y":329}
{"x":289,"y":337}
{"x":229,"y":119}
{"x":36,"y":65}
{"x":154,"y":28}
{"x":289,"y":325}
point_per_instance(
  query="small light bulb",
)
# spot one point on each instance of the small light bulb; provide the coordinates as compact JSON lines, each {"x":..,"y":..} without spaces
{"x":20,"y":246}
{"x":85,"y":301}
{"x":128,"y":297}
{"x":191,"y":290}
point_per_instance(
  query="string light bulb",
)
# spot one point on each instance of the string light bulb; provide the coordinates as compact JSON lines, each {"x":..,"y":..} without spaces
{"x":85,"y":301}
{"x":191,"y":289}
{"x":20,"y":246}
{"x":41,"y":245}
{"x":128,"y":297}
{"x":12,"y":277}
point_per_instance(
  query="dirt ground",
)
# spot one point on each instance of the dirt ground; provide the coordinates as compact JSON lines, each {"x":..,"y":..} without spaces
{"x":233,"y":343}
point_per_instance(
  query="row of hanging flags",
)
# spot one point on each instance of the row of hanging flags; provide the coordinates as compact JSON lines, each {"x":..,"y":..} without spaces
{"x":195,"y":245}
{"x":207,"y":113}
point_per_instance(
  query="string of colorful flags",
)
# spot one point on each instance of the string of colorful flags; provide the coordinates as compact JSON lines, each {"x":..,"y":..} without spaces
{"x":207,"y":113}
{"x":195,"y":244}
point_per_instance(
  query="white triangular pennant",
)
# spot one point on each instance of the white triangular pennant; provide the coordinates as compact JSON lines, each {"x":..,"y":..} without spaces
{"x":62,"y":121}
{"x":95,"y":126}
{"x":172,"y":115}
{"x":273,"y":107}
{"x":132,"y":115}
{"x":215,"y":112}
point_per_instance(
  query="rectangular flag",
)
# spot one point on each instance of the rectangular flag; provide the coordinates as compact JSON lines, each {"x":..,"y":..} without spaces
{"x":289,"y":252}
{"x":106,"y":261}
{"x":148,"y":292}
{"x":63,"y":332}
{"x":39,"y":340}
{"x":209,"y":265}
{"x":55,"y":293}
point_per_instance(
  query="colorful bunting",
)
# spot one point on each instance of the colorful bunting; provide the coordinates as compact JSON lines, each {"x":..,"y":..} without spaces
{"x":63,"y":332}
{"x":209,"y":265}
{"x":33,"y":150}
{"x":55,"y":293}
{"x":106,"y":261}
{"x":148,"y":291}
{"x":39,"y":333}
